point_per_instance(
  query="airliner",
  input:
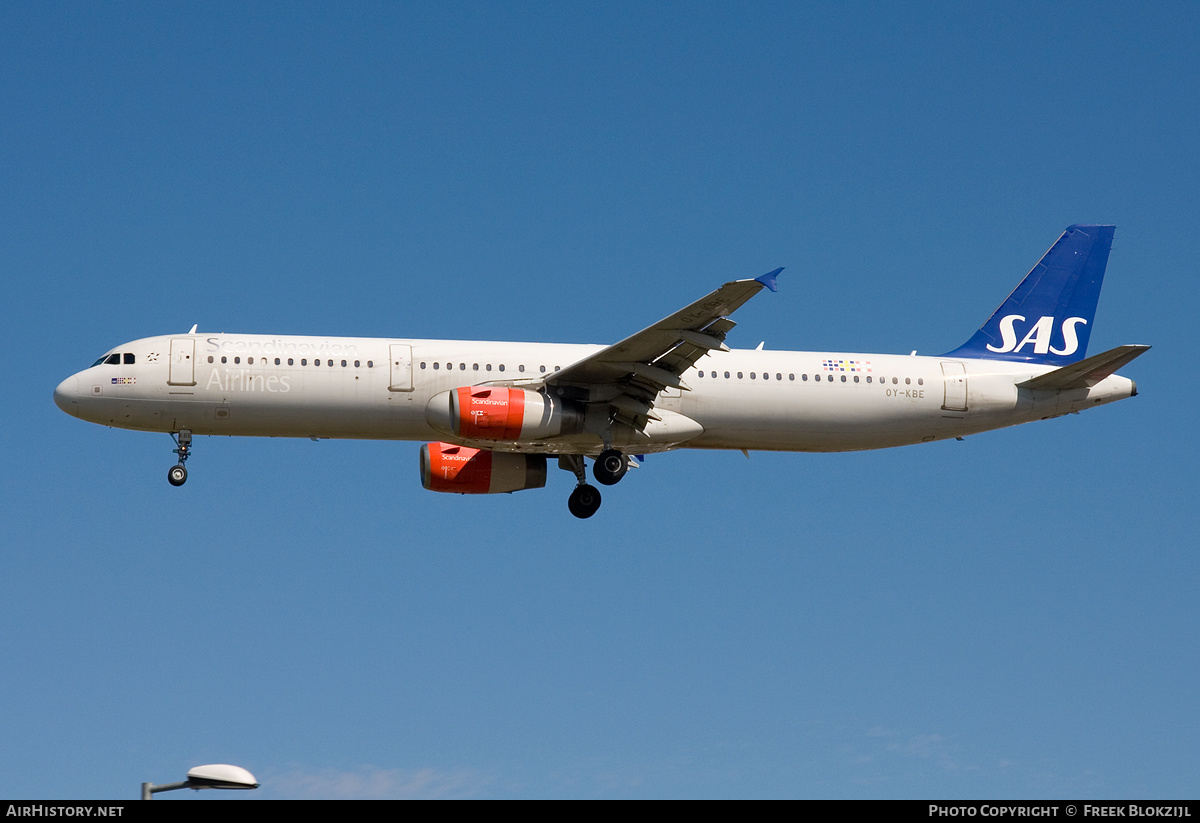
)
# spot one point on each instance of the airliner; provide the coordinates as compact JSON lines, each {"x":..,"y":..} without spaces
{"x":494,"y":413}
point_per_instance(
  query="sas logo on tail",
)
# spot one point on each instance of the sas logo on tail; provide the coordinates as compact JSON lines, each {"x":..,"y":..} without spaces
{"x":1039,"y":335}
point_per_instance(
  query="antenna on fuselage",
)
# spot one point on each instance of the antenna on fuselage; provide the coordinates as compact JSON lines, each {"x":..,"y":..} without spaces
{"x":194,"y":327}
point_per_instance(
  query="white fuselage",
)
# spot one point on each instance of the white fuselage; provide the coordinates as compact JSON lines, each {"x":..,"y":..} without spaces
{"x":366,"y":388}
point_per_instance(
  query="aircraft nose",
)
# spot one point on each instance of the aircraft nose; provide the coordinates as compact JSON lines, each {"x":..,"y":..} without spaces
{"x":66,"y":394}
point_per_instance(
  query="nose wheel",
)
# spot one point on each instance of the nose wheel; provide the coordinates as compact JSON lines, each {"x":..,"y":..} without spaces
{"x":177,"y":474}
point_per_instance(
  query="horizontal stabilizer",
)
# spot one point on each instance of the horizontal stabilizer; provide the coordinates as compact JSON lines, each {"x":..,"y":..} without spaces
{"x":1085,"y":373}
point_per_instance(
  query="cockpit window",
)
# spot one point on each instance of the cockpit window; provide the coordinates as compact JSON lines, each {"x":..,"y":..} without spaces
{"x":114,"y":359}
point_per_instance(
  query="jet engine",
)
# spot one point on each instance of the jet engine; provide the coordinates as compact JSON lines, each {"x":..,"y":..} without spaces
{"x":497,"y":413}
{"x":463,"y":470}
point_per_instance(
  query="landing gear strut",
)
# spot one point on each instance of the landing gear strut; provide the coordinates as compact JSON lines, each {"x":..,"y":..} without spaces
{"x":585,"y":500}
{"x":177,"y":474}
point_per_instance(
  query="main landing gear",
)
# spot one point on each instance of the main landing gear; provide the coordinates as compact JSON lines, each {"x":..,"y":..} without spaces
{"x":177,"y":474}
{"x":584,"y":501}
{"x":609,"y":468}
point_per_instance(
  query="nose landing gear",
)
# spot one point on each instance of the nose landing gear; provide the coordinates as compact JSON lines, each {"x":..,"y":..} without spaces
{"x":177,"y":474}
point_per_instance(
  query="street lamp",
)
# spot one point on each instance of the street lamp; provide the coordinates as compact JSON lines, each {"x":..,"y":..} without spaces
{"x":216,"y":776}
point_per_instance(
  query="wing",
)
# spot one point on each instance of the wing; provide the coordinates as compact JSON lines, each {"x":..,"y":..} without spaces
{"x":621,"y":382}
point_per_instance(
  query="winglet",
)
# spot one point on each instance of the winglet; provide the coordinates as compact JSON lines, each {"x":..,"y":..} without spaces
{"x":768,"y":279}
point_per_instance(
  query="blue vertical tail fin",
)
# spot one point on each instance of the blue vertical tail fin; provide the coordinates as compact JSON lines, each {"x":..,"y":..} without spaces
{"x":1048,"y":317}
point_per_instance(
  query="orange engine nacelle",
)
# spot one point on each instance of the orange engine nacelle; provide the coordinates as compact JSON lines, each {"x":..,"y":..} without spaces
{"x":463,"y":470}
{"x":498,"y":413}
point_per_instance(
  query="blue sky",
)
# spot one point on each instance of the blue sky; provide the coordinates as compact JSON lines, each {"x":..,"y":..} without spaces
{"x":1013,"y":615}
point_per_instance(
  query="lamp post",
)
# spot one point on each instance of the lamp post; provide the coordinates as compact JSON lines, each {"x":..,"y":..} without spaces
{"x":215,"y":776}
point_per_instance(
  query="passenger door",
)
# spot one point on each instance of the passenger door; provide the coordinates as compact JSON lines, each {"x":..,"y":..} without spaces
{"x":955,"y":378}
{"x":183,"y":362}
{"x":401,"y":367}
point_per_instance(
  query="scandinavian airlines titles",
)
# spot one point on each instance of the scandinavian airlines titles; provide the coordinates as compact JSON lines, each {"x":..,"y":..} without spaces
{"x":1039,"y":335}
{"x":323,"y":349}
{"x":246,"y":380}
